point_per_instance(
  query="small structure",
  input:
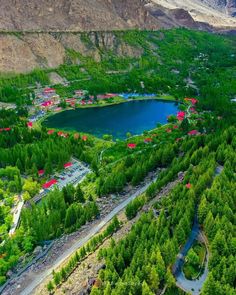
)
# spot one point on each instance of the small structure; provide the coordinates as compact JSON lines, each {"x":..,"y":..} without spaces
{"x":49,"y":184}
{"x":106,"y":96}
{"x":188,"y":185}
{"x":131,"y":145}
{"x":49,"y":91}
{"x":67,"y":165}
{"x":80,"y":93}
{"x":193,"y":132}
{"x":5,"y":129}
{"x":84,"y":138}
{"x":41,"y":172}
{"x":62,"y":134}
{"x":30,"y":124}
{"x":180,"y":116}
{"x":51,"y":131}
{"x":148,"y":140}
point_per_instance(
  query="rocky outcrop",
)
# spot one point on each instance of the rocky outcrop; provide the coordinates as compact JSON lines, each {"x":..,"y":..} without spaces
{"x":27,"y":51}
{"x":103,"y":15}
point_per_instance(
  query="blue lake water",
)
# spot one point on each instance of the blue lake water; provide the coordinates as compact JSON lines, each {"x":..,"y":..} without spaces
{"x":117,"y":120}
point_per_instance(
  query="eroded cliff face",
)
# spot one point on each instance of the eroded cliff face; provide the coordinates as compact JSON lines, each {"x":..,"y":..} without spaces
{"x":76,"y":15}
{"x":37,"y":33}
{"x":22,"y":53}
{"x":103,"y":15}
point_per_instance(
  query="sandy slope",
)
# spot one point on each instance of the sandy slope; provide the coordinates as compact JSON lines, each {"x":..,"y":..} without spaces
{"x":200,"y":12}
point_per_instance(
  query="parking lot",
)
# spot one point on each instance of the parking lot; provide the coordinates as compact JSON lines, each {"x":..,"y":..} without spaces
{"x":72,"y":175}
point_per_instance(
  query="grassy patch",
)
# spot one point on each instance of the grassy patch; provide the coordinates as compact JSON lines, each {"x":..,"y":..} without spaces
{"x":194,"y":262}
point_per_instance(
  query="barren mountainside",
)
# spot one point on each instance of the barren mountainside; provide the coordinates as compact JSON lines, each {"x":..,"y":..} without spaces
{"x":80,"y":15}
{"x":28,"y":39}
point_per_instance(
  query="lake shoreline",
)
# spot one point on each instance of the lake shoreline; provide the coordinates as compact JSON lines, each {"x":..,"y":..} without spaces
{"x":50,"y":114}
{"x":144,"y":114}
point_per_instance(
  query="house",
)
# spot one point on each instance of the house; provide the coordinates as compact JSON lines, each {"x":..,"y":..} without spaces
{"x":49,"y":184}
{"x":62,"y":134}
{"x":131,"y":145}
{"x":193,"y":132}
{"x":67,"y":165}
{"x":49,"y":91}
{"x":82,"y":102}
{"x":30,"y":124}
{"x":106,"y":96}
{"x":51,"y":131}
{"x":148,"y":140}
{"x":80,"y":93}
{"x":41,"y":172}
{"x":47,"y":104}
{"x":5,"y":129}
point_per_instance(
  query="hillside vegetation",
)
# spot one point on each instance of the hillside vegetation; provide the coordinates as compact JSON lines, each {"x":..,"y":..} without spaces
{"x":178,"y":62}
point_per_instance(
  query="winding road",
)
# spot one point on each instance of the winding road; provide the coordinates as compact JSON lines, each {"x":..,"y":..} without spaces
{"x":37,"y":279}
{"x":192,"y":286}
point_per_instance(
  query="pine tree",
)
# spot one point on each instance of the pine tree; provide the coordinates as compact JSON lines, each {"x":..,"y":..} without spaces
{"x":79,"y":195}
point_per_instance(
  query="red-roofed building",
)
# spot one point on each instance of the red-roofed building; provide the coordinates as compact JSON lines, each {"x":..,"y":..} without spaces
{"x":51,"y":131}
{"x":79,"y":93}
{"x":49,"y":183}
{"x":180,"y":116}
{"x":193,"y":132}
{"x":188,"y":185}
{"x":148,"y":140}
{"x":84,"y":138}
{"x":131,"y":145}
{"x":168,"y":130}
{"x":106,"y":96}
{"x":192,"y":100}
{"x":41,"y":172}
{"x":30,"y":124}
{"x":47,"y":104}
{"x":49,"y":91}
{"x":68,"y":165}
{"x":62,"y":134}
{"x":5,"y":129}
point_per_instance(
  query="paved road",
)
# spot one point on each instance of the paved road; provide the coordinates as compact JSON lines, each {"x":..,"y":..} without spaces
{"x":16,"y":216}
{"x":40,"y":277}
{"x":192,"y":286}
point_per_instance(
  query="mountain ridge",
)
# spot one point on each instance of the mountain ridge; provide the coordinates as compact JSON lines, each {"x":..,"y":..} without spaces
{"x":96,"y":15}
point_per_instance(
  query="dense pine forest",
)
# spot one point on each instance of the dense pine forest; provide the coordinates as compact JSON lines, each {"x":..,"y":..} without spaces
{"x":177,"y":63}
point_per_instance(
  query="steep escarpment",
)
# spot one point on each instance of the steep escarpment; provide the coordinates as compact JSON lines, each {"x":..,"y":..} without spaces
{"x":97,"y":15}
{"x":24,"y":52}
{"x":74,"y":15}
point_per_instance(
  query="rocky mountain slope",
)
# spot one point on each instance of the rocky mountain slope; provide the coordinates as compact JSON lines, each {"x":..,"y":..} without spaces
{"x":217,"y":13}
{"x":80,"y":15}
{"x":28,"y":27}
